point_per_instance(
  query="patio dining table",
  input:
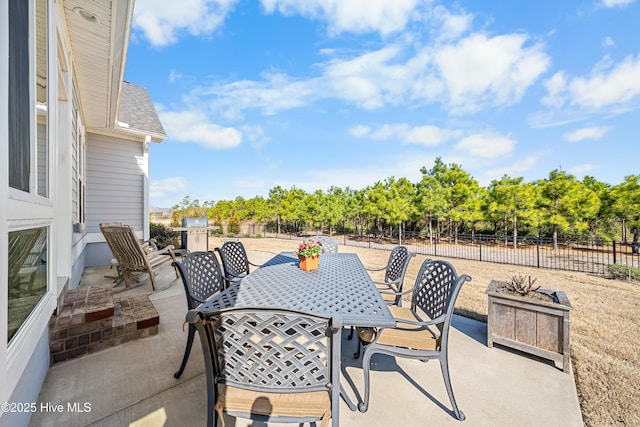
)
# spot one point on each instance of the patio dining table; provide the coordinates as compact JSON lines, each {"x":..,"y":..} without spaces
{"x":340,"y":288}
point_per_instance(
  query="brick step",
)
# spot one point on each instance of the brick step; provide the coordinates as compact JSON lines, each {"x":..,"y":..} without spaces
{"x":91,"y":319}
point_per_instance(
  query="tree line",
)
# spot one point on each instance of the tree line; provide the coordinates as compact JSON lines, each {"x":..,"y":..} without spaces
{"x":448,"y":200}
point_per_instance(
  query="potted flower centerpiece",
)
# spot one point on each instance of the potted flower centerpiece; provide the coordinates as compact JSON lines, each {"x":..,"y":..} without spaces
{"x":525,"y":317}
{"x":308,"y":253}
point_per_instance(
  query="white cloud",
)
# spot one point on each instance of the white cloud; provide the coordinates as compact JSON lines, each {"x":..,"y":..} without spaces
{"x":608,"y":42}
{"x":448,"y":25}
{"x":275,"y":93}
{"x":166,"y":187}
{"x":555,"y":86}
{"x":174,"y":76}
{"x":516,"y":169}
{"x":582,"y":170}
{"x":162,"y":22}
{"x":486,"y":146}
{"x":607,"y":85}
{"x":617,"y":3}
{"x":429,"y":136}
{"x":585,"y":133}
{"x":255,"y":134}
{"x":359,"y":131}
{"x":475,"y":73}
{"x":194,"y":126}
{"x":480,"y":71}
{"x":389,"y":131}
{"x":356,"y":16}
{"x":370,"y":80}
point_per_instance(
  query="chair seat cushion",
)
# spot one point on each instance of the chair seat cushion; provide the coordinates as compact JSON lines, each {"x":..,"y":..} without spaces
{"x":403,"y":335}
{"x":389,"y":298}
{"x":316,"y":404}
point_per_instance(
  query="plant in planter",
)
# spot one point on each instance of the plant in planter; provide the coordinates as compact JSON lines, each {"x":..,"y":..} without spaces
{"x":529,"y":318}
{"x":308,"y":253}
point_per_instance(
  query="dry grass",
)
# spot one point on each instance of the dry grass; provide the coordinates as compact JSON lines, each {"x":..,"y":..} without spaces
{"x":605,"y":350}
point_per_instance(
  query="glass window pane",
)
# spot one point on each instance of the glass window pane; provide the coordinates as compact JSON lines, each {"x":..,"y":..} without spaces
{"x":28,"y":261}
{"x":19,"y":100}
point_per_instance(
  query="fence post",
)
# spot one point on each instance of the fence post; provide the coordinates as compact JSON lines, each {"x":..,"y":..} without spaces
{"x":614,"y":252}
{"x":480,"y":243}
{"x":538,"y":251}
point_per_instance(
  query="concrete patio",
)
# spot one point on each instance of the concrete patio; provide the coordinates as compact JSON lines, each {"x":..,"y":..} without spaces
{"x":133,"y":384}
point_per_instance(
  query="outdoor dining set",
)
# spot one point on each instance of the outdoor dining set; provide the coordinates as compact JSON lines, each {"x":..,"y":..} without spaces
{"x":272,"y":337}
{"x":271,"y":334}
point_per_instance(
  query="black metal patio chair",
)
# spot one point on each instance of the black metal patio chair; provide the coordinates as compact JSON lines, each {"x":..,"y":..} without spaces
{"x":235,"y":261}
{"x":422,"y":331}
{"x":391,"y":287}
{"x":395,"y":270}
{"x":329,"y":245}
{"x":202,"y":279}
{"x":267,"y":364}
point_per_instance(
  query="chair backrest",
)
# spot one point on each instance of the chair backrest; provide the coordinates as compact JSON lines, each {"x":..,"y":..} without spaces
{"x":328,"y":244}
{"x":234,"y":258}
{"x":435,"y":292}
{"x":126,"y":247}
{"x":267,"y":349}
{"x":397,"y":265}
{"x":201,"y":276}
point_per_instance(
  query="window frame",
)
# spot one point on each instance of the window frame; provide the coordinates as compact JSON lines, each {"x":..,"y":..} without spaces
{"x":32,"y":195}
{"x":26,"y":209}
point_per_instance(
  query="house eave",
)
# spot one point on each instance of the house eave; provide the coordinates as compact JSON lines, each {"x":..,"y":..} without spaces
{"x":100,"y":51}
{"x":132,"y":134}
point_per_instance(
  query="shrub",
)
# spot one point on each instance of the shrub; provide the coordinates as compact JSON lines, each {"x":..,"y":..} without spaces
{"x":233,"y":226}
{"x":624,"y":272}
{"x":522,"y":284}
{"x":163,"y":235}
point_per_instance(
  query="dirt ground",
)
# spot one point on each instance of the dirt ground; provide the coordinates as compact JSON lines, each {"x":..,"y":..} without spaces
{"x":605,"y":350}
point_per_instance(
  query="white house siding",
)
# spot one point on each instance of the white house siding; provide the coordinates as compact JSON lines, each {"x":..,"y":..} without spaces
{"x":75,"y":116}
{"x":115,"y":190}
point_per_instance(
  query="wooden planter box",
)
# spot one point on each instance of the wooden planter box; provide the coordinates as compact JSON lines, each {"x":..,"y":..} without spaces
{"x":533,"y":326}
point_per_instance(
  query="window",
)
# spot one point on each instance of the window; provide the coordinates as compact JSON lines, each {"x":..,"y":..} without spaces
{"x":27,"y":279}
{"x":19,"y":105}
{"x":21,"y":114}
{"x":79,"y":161}
{"x":26,"y":249}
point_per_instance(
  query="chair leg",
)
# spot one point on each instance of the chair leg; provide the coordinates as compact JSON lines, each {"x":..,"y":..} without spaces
{"x":187,"y":350}
{"x":356,"y":355}
{"x":444,"y":365}
{"x":366,"y":366}
{"x":351,"y":333}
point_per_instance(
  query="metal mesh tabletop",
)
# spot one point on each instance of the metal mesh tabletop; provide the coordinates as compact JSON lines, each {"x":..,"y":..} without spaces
{"x":340,"y":287}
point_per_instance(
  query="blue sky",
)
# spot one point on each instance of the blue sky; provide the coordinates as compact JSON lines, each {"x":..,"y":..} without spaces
{"x":315,"y":93}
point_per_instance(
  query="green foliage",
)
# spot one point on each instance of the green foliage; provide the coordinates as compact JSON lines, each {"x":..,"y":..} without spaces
{"x":309,"y":248}
{"x":217,"y":222}
{"x":233,"y":226}
{"x":163,"y":236}
{"x":446,"y":199}
{"x":624,"y":272}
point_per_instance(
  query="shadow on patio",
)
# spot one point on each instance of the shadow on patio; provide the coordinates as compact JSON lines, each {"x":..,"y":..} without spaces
{"x":133,"y":384}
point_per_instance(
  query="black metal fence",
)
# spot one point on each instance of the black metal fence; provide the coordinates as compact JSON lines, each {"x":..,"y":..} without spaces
{"x":588,"y":256}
